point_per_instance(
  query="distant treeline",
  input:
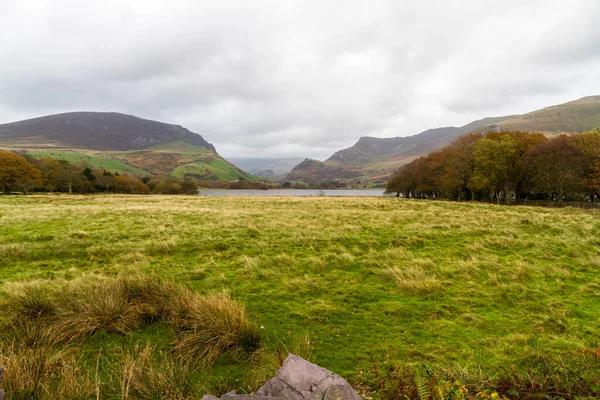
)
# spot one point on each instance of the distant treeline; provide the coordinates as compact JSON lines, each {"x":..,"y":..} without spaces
{"x":506,"y":167}
{"x":26,"y":174}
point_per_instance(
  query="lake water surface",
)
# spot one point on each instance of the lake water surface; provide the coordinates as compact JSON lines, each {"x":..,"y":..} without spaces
{"x":292,"y":192}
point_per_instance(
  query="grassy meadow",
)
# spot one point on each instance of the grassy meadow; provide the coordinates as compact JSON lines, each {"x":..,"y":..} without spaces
{"x":401,"y":297}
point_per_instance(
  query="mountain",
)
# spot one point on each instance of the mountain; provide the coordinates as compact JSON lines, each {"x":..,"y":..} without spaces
{"x":95,"y":131}
{"x":272,"y":168}
{"x":372,"y":160}
{"x":119,"y":142}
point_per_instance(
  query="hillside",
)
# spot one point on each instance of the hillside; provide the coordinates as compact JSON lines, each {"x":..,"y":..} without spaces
{"x":572,"y":117}
{"x":121,"y":143}
{"x":372,"y":160}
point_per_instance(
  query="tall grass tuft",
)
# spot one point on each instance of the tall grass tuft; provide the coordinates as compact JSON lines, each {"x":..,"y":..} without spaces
{"x":31,"y":302}
{"x":145,"y":373}
{"x":29,"y":370}
{"x":210,"y":326}
{"x":86,"y":309}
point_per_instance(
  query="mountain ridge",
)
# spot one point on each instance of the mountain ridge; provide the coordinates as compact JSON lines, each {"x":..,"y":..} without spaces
{"x":371,"y":160}
{"x":106,"y":131}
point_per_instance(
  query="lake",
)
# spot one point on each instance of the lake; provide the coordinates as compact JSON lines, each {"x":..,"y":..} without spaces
{"x":293,"y":192}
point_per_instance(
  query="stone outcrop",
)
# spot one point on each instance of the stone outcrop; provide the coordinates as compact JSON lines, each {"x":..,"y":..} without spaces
{"x":298,"y":379}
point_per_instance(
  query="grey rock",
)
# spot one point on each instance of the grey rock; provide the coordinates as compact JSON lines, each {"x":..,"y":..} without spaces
{"x":339,"y":392}
{"x":209,"y":397}
{"x":248,"y":397}
{"x":234,"y":396}
{"x":298,"y":379}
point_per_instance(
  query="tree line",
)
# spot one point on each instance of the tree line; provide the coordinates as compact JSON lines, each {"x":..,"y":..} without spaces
{"x":26,"y":174}
{"x":506,"y":167}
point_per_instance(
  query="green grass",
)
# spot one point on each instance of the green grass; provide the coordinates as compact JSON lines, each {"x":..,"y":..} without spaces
{"x":216,"y":167}
{"x":93,"y":161}
{"x":473,"y":290}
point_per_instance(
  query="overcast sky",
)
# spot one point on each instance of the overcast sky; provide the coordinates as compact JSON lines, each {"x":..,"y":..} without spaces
{"x":296,"y":77}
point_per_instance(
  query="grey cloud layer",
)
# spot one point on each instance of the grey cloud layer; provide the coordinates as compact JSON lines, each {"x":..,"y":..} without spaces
{"x":291,"y":77}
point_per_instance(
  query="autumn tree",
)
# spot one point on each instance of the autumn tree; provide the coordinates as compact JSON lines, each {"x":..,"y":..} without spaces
{"x":556,"y":167}
{"x":189,"y":186}
{"x":502,"y":166}
{"x":104,"y":180}
{"x":126,"y":183}
{"x":49,"y":170}
{"x":517,"y":169}
{"x":70,"y":176}
{"x":491,"y":156}
{"x":403,"y":182}
{"x":458,"y":167}
{"x":589,"y":145}
{"x":16,"y":173}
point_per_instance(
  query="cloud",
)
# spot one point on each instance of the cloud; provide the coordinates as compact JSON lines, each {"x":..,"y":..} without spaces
{"x":292,"y":77}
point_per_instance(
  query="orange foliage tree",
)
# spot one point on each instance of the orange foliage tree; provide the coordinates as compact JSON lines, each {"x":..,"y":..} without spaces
{"x":16,"y":173}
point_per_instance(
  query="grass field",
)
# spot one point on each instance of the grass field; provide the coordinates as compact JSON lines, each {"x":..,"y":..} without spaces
{"x":383,"y":291}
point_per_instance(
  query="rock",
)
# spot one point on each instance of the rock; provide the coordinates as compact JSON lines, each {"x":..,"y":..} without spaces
{"x":298,"y":379}
{"x":339,"y":392}
{"x":234,"y":396}
{"x":206,"y":397}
